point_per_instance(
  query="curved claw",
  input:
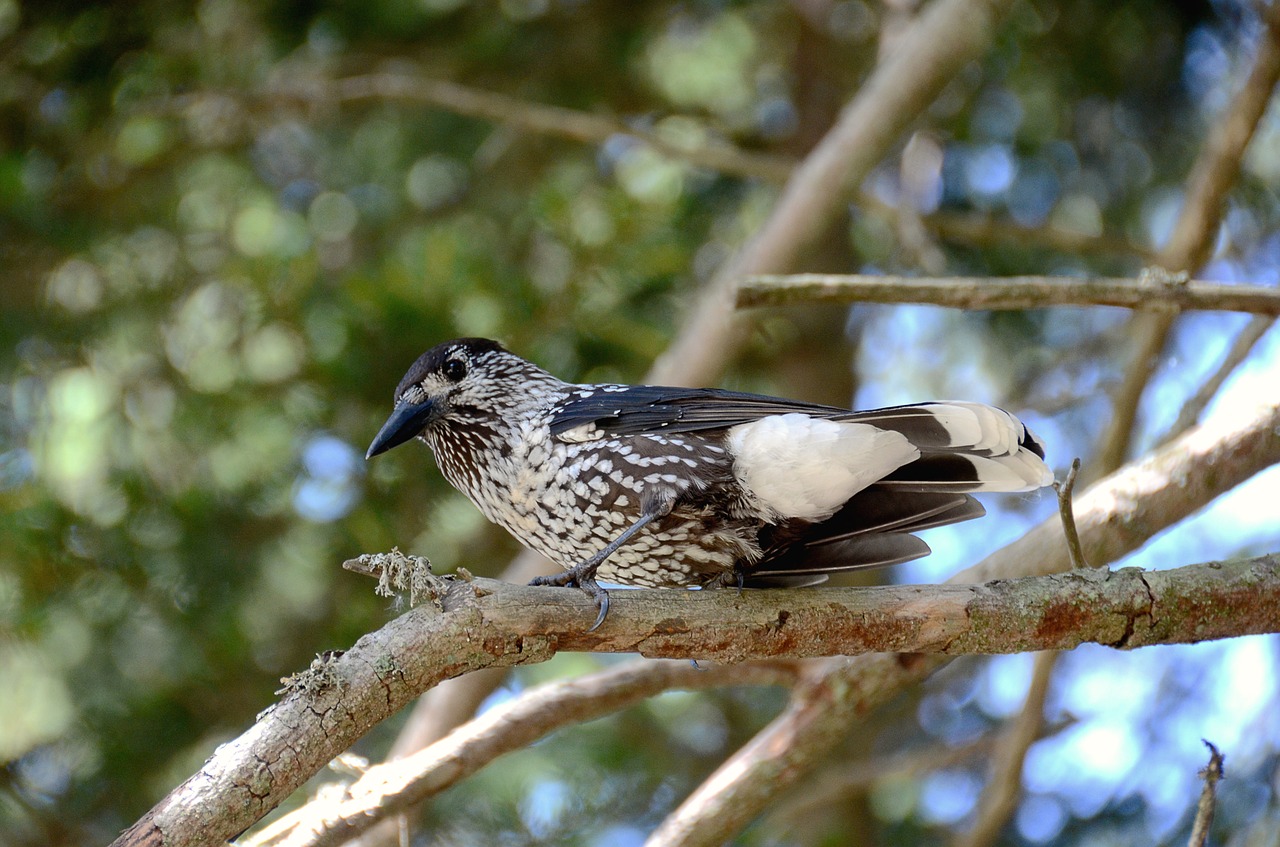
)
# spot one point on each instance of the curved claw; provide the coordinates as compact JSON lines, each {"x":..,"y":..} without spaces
{"x":602,"y":600}
{"x":573,"y":579}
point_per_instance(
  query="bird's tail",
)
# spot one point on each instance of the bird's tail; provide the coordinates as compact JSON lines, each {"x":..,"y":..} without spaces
{"x":964,"y":447}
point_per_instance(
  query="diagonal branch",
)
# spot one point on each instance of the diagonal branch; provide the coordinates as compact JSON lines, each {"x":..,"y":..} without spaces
{"x":399,"y":785}
{"x":1241,"y":347}
{"x":1017,"y":292}
{"x":1194,"y":231}
{"x":949,"y":35}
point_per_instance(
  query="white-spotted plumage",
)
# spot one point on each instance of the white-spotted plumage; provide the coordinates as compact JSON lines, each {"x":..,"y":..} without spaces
{"x":666,"y":486}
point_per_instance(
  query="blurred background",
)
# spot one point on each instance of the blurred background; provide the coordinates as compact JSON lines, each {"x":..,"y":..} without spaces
{"x":218,"y":260}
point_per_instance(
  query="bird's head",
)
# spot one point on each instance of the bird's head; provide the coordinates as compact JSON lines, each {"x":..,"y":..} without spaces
{"x":460,"y":380}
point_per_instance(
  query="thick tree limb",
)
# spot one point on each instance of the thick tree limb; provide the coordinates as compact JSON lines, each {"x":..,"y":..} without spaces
{"x":1019,"y":292}
{"x":484,"y":623}
{"x":1114,"y":517}
{"x":344,"y":697}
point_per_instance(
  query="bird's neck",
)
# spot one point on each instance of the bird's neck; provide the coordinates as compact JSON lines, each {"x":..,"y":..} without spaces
{"x":480,"y":451}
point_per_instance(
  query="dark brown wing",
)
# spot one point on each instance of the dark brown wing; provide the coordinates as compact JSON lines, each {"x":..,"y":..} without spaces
{"x":872,"y":530}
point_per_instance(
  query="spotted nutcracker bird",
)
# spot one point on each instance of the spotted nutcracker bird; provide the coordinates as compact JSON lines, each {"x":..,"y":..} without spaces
{"x":678,"y":487}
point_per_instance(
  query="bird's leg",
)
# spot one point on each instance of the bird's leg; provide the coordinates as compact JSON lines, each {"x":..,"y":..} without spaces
{"x":583,"y":574}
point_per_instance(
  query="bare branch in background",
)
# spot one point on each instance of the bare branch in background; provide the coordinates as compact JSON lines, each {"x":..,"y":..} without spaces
{"x":980,"y":230}
{"x":1000,"y":798}
{"x":1194,"y":232}
{"x":398,"y":785}
{"x":1018,"y":292}
{"x":1243,"y":345}
{"x":535,"y":117}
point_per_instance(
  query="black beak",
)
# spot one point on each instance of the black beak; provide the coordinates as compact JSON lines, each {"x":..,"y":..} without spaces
{"x":405,"y":422}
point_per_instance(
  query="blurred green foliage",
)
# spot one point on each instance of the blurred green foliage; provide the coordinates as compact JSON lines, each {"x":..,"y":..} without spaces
{"x":212,"y":286}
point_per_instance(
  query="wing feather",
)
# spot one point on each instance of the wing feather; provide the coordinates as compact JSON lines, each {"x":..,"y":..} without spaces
{"x":647,"y":409}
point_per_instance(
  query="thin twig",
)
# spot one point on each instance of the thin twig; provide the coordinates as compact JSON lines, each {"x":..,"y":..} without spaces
{"x":1208,"y":798}
{"x":549,"y":120}
{"x":1067,"y":513}
{"x":1243,"y":345}
{"x":1001,"y":795}
{"x":1017,"y":292}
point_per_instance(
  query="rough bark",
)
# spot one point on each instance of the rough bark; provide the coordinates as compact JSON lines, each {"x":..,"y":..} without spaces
{"x":485,"y":623}
{"x":1020,"y":292}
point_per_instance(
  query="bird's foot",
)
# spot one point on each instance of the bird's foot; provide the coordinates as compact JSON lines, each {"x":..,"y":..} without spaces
{"x":581,"y":576}
{"x":735,"y":578}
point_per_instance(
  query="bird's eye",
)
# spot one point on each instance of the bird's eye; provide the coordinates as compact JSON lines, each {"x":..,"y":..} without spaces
{"x":454,"y":370}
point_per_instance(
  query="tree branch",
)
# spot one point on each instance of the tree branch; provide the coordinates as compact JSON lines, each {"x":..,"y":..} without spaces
{"x":502,"y":109}
{"x":397,"y":786}
{"x":1114,"y":517}
{"x":482,"y":623}
{"x":1017,"y":292}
